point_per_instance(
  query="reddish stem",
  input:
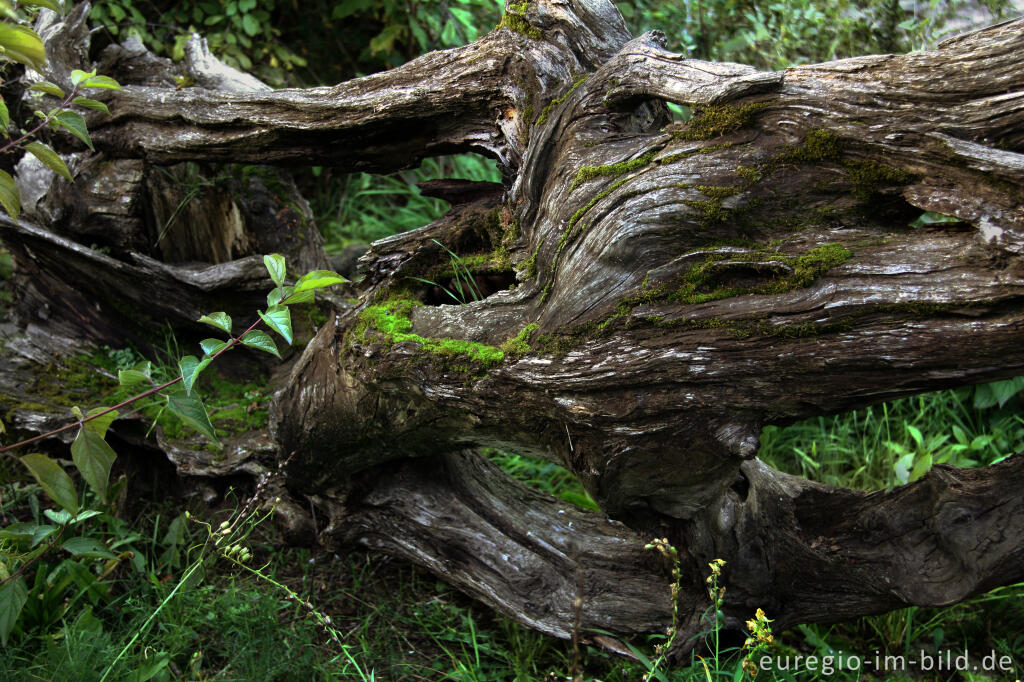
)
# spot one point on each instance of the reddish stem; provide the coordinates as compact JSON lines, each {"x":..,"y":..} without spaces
{"x":231,"y":344}
{"x":63,"y":105}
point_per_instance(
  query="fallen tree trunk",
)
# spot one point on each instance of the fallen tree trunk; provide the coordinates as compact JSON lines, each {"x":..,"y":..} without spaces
{"x":656,"y":292}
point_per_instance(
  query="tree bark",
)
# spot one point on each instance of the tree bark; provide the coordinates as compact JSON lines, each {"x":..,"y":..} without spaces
{"x":657,"y":292}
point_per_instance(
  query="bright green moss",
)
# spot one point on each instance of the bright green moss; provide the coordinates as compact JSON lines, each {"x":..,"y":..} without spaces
{"x":699,"y":283}
{"x":714,"y":121}
{"x":580,"y":213}
{"x":816,"y":263}
{"x":519,"y":344}
{"x":546,"y":111}
{"x":514,"y":19}
{"x":612,"y":169}
{"x":392,"y":320}
{"x":531,"y":263}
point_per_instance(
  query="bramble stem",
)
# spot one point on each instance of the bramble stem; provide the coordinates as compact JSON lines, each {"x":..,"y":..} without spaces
{"x":49,"y":117}
{"x":156,"y":389}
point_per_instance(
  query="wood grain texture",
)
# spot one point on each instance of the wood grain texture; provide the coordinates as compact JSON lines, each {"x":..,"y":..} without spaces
{"x":656,"y":292}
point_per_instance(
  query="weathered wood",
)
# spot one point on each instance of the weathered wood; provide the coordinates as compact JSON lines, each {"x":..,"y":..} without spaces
{"x":656,"y":293}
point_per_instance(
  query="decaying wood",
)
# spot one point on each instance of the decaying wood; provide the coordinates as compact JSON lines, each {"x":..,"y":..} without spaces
{"x":657,"y":293}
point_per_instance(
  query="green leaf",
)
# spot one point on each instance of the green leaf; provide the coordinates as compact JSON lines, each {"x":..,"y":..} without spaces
{"x":85,"y":514}
{"x":260,"y":341}
{"x":60,"y":517}
{"x":219,"y":320}
{"x":276,"y":267}
{"x":212,"y":346}
{"x":190,"y":368}
{"x":57,"y":484}
{"x":103,"y":82}
{"x":23,"y":45}
{"x":73,"y":122}
{"x":306,"y":296}
{"x":922,"y":465}
{"x":93,"y":104}
{"x":31,"y":534}
{"x":93,"y":457}
{"x":318,"y":279}
{"x":13,"y":595}
{"x":902,"y":467}
{"x":5,"y":119}
{"x":278,"y":293}
{"x":99,"y":425}
{"x":916,"y":434}
{"x":49,"y":159}
{"x":87,"y":547}
{"x":131,"y":377}
{"x":41,"y":533}
{"x":9,"y":197}
{"x":48,"y":4}
{"x":77,"y":76}
{"x":190,"y":409}
{"x":279,"y":318}
{"x":151,"y":667}
{"x":250,"y":25}
{"x":929,"y":218}
{"x":49,"y":88}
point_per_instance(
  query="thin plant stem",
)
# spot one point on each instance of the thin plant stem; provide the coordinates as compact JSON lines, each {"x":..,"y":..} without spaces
{"x":156,"y":389}
{"x":49,"y":117}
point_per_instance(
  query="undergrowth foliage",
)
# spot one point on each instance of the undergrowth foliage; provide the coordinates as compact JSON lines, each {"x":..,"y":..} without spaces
{"x":21,"y":45}
{"x":24,"y":544}
{"x":63,"y":565}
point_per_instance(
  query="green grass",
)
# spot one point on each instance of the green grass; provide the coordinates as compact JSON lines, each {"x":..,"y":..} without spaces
{"x":862,"y":449}
{"x":398,"y":622}
{"x":362,"y":207}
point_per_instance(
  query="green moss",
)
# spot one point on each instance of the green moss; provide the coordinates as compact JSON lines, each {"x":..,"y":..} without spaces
{"x":819,"y":146}
{"x":698,"y":286}
{"x":317,"y":316}
{"x":699,"y":283}
{"x":612,"y":169}
{"x":678,"y":156}
{"x":869,"y":177}
{"x":546,"y":111}
{"x":514,"y":19}
{"x":920,"y":309}
{"x":714,"y":121}
{"x":392,"y":319}
{"x":519,"y":344}
{"x":82,"y":380}
{"x":590,"y":204}
{"x":823,"y":146}
{"x":546,"y":292}
{"x":711,"y":208}
{"x":717,"y":191}
{"x":531,"y":263}
{"x":85,"y":380}
{"x":751,"y":175}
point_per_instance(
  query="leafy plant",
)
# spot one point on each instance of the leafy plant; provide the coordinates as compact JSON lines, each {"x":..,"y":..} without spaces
{"x":23,"y":45}
{"x":243,"y":33}
{"x":777,"y":35}
{"x":463,"y":282}
{"x":24,"y":544}
{"x":361,"y":207}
